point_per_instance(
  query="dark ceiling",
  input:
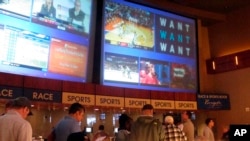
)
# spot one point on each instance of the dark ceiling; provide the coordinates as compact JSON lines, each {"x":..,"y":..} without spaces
{"x":217,"y":6}
{"x":208,"y":11}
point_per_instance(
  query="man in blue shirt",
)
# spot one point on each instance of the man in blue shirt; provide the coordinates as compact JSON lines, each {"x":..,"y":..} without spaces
{"x":70,"y":123}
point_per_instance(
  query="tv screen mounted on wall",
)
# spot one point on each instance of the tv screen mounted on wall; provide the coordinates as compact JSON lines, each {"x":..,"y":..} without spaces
{"x":147,"y":48}
{"x":47,"y":38}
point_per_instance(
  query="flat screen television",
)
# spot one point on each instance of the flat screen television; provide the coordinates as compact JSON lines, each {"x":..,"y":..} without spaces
{"x":47,"y":38}
{"x":147,"y":48}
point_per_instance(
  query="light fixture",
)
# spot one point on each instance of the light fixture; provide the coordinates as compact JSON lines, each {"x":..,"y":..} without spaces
{"x":213,"y":63}
{"x":236,"y":60}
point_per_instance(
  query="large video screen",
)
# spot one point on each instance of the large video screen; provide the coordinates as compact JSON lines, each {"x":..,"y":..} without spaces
{"x":147,"y":48}
{"x":46,"y":38}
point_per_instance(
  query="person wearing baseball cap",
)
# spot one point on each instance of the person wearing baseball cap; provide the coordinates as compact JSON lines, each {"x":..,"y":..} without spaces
{"x":13,"y":124}
{"x":9,"y":104}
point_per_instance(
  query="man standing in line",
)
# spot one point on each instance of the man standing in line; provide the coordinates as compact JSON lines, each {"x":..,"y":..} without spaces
{"x":188,"y":126}
{"x":70,"y":123}
{"x":100,"y":134}
{"x":13,"y":125}
{"x":146,"y":127}
{"x":173,"y":132}
{"x":207,"y":131}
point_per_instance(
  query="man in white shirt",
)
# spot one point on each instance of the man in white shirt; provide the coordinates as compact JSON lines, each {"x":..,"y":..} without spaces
{"x":188,"y":126}
{"x":207,"y":131}
{"x":13,"y":125}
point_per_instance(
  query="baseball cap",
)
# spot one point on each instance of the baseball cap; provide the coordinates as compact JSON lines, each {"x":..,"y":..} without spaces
{"x":22,"y":102}
{"x":147,"y":107}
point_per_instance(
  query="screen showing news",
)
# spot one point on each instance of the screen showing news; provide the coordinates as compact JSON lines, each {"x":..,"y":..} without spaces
{"x":45,"y":38}
{"x":146,"y":48}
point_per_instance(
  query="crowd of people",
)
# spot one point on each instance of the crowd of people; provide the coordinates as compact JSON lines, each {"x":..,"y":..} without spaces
{"x":14,"y":127}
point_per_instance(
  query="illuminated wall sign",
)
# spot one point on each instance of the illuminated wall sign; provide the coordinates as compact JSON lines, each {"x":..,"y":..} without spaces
{"x":136,"y":102}
{"x":213,"y":101}
{"x":162,"y":104}
{"x":10,"y":92}
{"x":43,"y":95}
{"x":186,"y":105}
{"x":85,"y":99}
{"x":109,"y":101}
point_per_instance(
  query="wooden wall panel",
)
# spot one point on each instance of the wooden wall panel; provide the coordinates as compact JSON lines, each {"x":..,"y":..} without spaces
{"x":89,"y":88}
{"x":161,"y":95}
{"x":137,"y":93}
{"x":41,"y":83}
{"x":11,"y":80}
{"x":76,"y":87}
{"x":243,"y":59}
{"x":228,"y":62}
{"x":109,"y":91}
{"x":185,"y":96}
{"x":206,"y":16}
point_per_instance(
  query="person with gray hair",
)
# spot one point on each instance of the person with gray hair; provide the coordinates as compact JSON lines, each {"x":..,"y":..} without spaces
{"x":13,"y":125}
{"x":172,"y":132}
{"x":169,"y":120}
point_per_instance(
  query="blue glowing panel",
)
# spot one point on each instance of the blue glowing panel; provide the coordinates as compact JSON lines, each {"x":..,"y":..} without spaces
{"x":43,"y":39}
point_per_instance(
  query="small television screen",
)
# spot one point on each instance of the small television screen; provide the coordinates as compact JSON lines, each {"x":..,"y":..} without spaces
{"x":89,"y":129}
{"x":62,"y":15}
{"x":102,"y":116}
{"x":47,"y":38}
{"x":193,"y":117}
{"x":147,"y":48}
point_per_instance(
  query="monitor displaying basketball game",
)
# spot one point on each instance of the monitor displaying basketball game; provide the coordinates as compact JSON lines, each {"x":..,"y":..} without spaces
{"x":148,"y":48}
